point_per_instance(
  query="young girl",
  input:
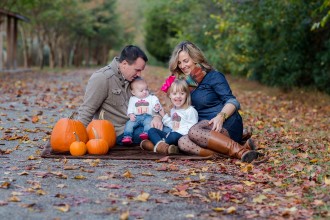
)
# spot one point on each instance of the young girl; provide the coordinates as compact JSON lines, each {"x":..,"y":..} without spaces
{"x":183,"y":117}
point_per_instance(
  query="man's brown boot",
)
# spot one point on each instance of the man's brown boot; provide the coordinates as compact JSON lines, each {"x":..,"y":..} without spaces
{"x":224,"y":145}
{"x":147,"y":145}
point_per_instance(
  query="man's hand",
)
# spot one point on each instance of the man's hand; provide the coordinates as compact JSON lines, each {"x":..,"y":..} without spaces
{"x":157,"y":123}
{"x":162,"y":112}
{"x":131,"y":117}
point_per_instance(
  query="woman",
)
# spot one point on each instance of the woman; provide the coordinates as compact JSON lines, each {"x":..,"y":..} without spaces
{"x":220,"y":126}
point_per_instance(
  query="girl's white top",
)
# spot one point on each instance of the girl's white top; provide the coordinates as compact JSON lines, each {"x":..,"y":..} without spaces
{"x":181,"y":120}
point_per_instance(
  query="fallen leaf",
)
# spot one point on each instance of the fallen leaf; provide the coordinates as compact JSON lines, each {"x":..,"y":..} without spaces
{"x":103,"y":177}
{"x":173,"y":167}
{"x":216,"y":196}
{"x":231,"y":210}
{"x":326,"y":181}
{"x":164,"y":159}
{"x":23,"y":173}
{"x":219,"y":209}
{"x":202,"y":178}
{"x":14,"y":199}
{"x":247,"y":168}
{"x":5,"y":185}
{"x":70,"y":167}
{"x":124,"y":215}
{"x":318,"y":202}
{"x":163,"y":167}
{"x":14,"y":193}
{"x":142,"y":197}
{"x":61,"y":186}
{"x":299,"y":167}
{"x":35,"y":119}
{"x":259,"y":199}
{"x":63,"y":207}
{"x":128,"y":174}
{"x":79,"y":177}
{"x":61,"y":196}
{"x":248,"y":183}
{"x":182,"y":187}
{"x":41,"y":192}
{"x":290,"y":194}
{"x":147,"y":174}
{"x":31,"y":158}
{"x":289,"y":211}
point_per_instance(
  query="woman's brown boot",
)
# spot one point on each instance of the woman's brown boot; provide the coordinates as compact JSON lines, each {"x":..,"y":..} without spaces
{"x":247,"y":134}
{"x":224,"y":145}
{"x":206,"y":152}
{"x":250,"y":145}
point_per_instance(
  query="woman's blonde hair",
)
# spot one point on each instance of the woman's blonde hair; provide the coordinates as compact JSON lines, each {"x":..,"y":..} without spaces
{"x":180,"y":85}
{"x":193,"y":51}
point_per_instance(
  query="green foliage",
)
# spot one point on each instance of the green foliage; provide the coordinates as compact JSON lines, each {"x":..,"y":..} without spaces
{"x":271,"y":41}
{"x":265,"y":40}
{"x":169,"y":22}
{"x":322,"y":14}
{"x":158,"y":31}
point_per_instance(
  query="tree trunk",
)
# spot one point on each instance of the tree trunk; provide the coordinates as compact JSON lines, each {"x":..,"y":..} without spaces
{"x":25,"y":47}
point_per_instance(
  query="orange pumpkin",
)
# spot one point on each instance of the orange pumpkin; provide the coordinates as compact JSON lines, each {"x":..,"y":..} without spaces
{"x":62,"y":134}
{"x":96,"y":145}
{"x":77,"y":148}
{"x":104,"y":128}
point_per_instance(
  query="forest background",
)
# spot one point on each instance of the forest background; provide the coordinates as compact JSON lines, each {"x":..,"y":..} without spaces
{"x":284,"y":43}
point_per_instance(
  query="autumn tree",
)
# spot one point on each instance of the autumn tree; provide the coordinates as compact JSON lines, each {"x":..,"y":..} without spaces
{"x":68,"y":32}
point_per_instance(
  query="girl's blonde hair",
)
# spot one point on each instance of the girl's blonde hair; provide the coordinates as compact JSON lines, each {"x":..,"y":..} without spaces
{"x":180,"y":85}
{"x":193,"y":51}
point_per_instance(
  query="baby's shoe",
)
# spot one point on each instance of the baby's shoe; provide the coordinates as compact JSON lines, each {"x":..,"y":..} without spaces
{"x":127,"y":140}
{"x":144,"y":136}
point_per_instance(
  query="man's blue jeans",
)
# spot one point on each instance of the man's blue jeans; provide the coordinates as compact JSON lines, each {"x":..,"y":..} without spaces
{"x":156,"y":135}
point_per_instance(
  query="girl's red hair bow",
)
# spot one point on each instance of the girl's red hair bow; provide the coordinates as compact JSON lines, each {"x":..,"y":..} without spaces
{"x":168,"y":83}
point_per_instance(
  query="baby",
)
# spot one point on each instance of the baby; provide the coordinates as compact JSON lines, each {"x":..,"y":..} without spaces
{"x":141,"y":106}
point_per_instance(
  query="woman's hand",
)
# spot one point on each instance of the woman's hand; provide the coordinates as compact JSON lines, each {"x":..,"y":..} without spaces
{"x":217,"y":122}
{"x":157,"y":122}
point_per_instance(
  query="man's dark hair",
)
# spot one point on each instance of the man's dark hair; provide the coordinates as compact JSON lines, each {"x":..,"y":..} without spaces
{"x":130,"y":53}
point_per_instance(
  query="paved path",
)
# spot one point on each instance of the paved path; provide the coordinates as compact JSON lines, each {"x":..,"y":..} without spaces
{"x":36,"y":188}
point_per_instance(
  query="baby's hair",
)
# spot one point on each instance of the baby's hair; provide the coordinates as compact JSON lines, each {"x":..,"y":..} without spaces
{"x":137,"y":79}
{"x":180,"y":85}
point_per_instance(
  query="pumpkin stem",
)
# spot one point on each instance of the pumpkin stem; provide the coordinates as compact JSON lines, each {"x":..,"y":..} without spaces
{"x":77,"y":137}
{"x":101,"y":115}
{"x":72,"y":115}
{"x":95,"y":133}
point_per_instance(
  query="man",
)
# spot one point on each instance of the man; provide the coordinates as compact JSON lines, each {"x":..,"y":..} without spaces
{"x":108,"y":90}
